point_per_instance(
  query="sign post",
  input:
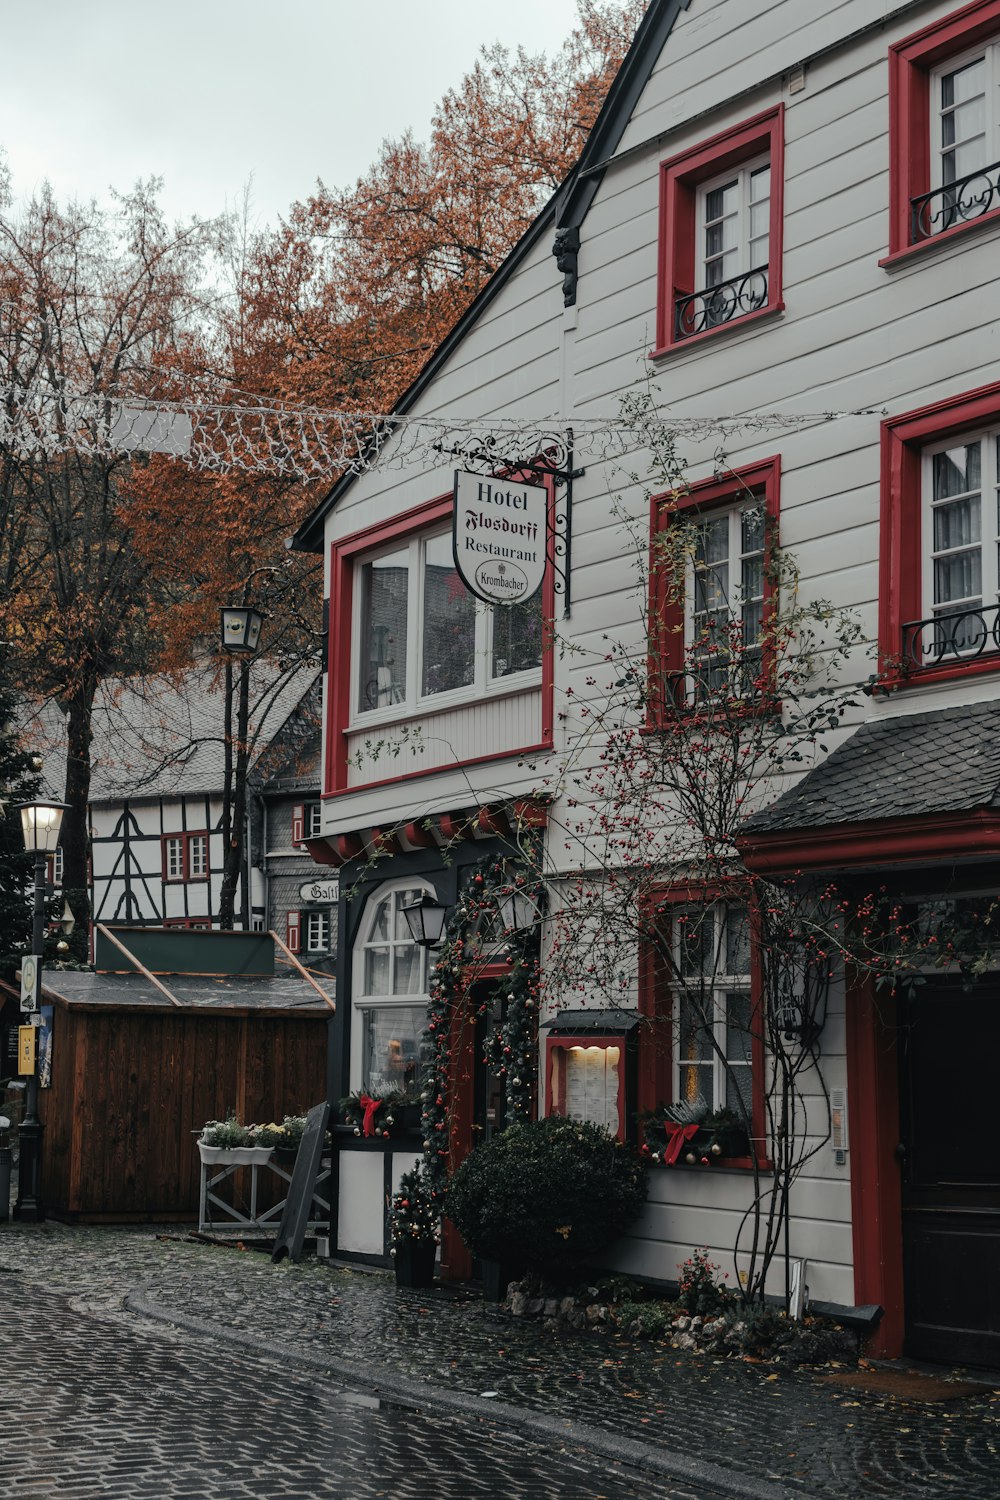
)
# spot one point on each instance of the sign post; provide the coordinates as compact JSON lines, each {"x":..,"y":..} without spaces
{"x":500,"y":537}
{"x":31,"y":982}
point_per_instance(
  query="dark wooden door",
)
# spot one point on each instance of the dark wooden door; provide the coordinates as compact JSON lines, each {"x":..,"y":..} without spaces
{"x":950,"y":1159}
{"x":490,"y":1106}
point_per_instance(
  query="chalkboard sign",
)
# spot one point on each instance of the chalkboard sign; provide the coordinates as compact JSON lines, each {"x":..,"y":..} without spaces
{"x":308,"y":1162}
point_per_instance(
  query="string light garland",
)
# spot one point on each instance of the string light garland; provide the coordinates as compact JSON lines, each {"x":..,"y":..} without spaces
{"x":251,"y":434}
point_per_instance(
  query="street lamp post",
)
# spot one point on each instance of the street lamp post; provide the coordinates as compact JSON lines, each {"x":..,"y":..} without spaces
{"x":40,"y":825}
{"x":239,"y":632}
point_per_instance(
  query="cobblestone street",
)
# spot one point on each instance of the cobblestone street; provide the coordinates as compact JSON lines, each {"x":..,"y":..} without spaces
{"x":153,"y":1365}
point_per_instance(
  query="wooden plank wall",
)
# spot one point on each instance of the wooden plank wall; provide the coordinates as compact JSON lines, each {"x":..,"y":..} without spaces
{"x":130,"y":1088}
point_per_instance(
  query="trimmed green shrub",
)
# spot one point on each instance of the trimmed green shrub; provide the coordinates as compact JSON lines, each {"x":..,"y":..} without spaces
{"x":547,"y":1195}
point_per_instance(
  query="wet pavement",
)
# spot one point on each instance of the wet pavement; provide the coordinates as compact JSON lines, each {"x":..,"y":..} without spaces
{"x":139,"y":1363}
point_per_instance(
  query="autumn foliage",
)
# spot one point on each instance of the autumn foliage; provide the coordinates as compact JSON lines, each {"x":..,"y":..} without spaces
{"x":117,"y":563}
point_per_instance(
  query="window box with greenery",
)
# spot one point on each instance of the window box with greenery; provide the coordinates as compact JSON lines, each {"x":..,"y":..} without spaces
{"x":227,"y":1142}
{"x":675,"y":1136}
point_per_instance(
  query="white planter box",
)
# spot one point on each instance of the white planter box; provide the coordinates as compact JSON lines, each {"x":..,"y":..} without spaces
{"x":234,"y":1156}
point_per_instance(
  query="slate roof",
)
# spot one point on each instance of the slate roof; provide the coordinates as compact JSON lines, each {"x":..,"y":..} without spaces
{"x":163,"y":736}
{"x":288,"y":992}
{"x":899,"y":767}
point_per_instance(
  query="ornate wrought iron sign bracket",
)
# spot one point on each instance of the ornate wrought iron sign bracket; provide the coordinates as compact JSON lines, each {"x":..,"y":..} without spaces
{"x":555,"y":461}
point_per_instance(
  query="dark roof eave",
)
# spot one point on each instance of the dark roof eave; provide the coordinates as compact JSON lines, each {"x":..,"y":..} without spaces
{"x":567,"y":208}
{"x":309,"y":537}
{"x":946,"y":838}
{"x":622,"y":97}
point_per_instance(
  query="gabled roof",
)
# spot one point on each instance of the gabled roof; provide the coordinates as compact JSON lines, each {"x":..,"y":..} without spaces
{"x":911,"y":766}
{"x":566,"y":209}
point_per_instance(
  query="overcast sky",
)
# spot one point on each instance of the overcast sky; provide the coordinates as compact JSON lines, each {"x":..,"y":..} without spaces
{"x":207,"y":93}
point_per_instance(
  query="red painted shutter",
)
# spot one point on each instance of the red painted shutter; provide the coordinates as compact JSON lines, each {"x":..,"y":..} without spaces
{"x":298,"y":823}
{"x":294,"y":931}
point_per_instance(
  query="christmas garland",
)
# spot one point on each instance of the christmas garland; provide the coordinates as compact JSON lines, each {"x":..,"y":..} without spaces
{"x":511,"y":1051}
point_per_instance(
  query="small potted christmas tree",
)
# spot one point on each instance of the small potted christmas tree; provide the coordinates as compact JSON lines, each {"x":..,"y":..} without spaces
{"x":414,"y":1226}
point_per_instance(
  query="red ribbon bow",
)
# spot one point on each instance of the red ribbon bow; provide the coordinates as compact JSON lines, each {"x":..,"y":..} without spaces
{"x":371,"y":1107}
{"x":676,"y":1136}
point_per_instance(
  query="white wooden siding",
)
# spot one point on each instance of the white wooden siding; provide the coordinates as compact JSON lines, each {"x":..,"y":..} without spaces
{"x":497,"y":724}
{"x":854,"y":337}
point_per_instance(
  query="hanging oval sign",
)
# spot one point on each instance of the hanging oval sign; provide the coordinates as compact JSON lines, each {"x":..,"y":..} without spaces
{"x":499,"y":537}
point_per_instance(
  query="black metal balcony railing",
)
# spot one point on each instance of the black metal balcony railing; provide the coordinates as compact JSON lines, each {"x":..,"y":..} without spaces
{"x":960,"y":636}
{"x":720,"y":304}
{"x":958,"y":202}
{"x":721,"y":680}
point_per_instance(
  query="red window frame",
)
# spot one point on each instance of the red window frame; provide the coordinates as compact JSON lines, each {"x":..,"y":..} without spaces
{"x":185,"y":837}
{"x":680,"y":178}
{"x":656,"y":1042}
{"x":293,"y":931}
{"x":666,"y":614}
{"x":556,"y":1048}
{"x":904,"y":439}
{"x":911,"y":62}
{"x":298,"y":824}
{"x":345,"y":552}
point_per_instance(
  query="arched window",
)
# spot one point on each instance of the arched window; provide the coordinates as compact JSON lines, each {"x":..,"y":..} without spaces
{"x":390,"y":993}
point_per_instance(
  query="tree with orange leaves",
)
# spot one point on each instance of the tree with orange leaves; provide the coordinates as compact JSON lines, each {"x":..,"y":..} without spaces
{"x":90,"y":300}
{"x":358,"y":289}
{"x":115,"y":563}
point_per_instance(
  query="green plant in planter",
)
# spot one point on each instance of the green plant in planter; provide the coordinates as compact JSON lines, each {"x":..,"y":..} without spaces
{"x":283,"y":1137}
{"x":548,"y":1195}
{"x":227,"y":1133}
{"x":414,"y":1211}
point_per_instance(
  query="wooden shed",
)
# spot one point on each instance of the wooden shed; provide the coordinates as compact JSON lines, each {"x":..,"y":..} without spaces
{"x":135,"y":1074}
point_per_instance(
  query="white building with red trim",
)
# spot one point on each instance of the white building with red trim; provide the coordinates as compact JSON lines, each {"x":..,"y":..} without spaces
{"x":784,"y":211}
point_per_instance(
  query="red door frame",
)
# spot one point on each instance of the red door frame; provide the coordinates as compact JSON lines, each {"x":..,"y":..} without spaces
{"x":456,"y":1261}
{"x":876,"y":1195}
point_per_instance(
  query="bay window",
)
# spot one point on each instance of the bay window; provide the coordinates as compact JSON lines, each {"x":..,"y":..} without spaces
{"x":422,"y":635}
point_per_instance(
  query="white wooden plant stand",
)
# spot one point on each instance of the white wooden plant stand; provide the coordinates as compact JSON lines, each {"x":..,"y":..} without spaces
{"x":238,"y":1217}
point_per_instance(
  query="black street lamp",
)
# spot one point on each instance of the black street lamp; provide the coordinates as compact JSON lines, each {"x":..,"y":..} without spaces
{"x":240,"y":628}
{"x":517,"y":911}
{"x":425,"y":919}
{"x":40,"y":825}
{"x":239,"y":635}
